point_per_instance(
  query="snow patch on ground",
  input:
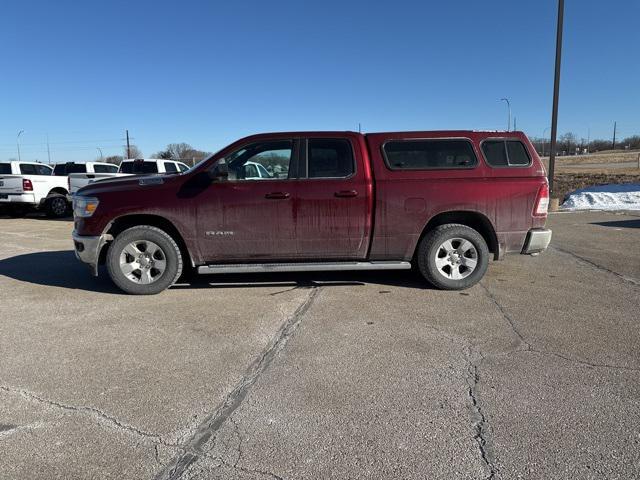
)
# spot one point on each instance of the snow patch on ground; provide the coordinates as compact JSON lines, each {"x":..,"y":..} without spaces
{"x":605,"y":197}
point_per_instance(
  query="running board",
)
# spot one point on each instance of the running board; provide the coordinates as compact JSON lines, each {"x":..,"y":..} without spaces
{"x":302,"y":267}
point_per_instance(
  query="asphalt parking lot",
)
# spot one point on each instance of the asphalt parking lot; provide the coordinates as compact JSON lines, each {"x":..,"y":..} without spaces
{"x":534,"y":373}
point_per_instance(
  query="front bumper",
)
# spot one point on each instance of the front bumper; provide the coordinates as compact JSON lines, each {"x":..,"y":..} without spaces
{"x":88,"y":249}
{"x":537,"y":241}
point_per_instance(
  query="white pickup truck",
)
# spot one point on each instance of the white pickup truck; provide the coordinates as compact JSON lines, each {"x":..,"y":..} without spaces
{"x":142,"y":166}
{"x":29,"y":185}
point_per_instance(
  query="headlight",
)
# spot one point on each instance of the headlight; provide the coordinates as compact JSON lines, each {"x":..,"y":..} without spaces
{"x":84,"y":206}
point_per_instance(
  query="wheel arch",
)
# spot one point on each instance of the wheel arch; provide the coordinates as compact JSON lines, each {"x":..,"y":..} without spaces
{"x":58,"y":190}
{"x":472,"y":219}
{"x":124,"y":222}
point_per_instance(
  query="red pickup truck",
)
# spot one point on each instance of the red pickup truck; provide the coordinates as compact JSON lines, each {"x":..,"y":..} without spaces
{"x":443,"y":201}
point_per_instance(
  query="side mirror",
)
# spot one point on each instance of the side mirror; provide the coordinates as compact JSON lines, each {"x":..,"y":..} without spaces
{"x":220,"y":172}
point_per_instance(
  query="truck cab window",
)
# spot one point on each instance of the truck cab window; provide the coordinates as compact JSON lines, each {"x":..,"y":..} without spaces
{"x":261,"y":161}
{"x":329,"y":158}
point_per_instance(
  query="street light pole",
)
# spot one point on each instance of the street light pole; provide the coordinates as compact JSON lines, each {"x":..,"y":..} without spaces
{"x":18,"y":144}
{"x":100,"y":150}
{"x":556,"y":94}
{"x":509,"y":108}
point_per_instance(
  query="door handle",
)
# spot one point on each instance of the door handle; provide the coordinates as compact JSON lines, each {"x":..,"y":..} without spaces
{"x":346,"y":193}
{"x":277,"y":195}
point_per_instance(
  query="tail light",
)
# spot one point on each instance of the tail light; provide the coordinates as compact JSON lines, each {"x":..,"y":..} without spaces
{"x":542,"y":202}
{"x":27,"y":186}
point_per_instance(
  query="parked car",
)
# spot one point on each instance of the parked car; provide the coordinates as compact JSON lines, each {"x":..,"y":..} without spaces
{"x":147,"y":166}
{"x":31,"y":185}
{"x":445,"y":202}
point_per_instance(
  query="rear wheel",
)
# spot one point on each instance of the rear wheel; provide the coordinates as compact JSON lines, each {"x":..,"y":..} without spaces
{"x":453,"y":257}
{"x":144,"y":260}
{"x":56,"y":206}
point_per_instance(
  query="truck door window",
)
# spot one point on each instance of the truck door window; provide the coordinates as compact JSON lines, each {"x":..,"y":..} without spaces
{"x":261,"y":161}
{"x":5,"y":168}
{"x":505,"y":153}
{"x":432,"y":154}
{"x":329,"y":158}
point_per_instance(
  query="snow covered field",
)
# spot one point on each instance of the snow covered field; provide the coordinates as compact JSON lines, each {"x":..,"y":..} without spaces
{"x":605,"y":197}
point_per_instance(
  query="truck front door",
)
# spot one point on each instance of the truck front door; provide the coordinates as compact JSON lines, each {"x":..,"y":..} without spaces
{"x":245,"y":216}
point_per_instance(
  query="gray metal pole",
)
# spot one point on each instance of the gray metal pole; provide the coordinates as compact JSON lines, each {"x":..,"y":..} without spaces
{"x":509,"y":108}
{"x":18,"y":144}
{"x":556,"y":94}
{"x":128,"y":147}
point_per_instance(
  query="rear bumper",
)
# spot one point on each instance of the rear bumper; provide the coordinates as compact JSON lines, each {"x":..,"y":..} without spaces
{"x":28,"y":198}
{"x":537,"y":241}
{"x":88,"y":249}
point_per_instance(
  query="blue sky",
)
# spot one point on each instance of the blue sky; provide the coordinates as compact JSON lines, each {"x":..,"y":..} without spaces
{"x":209,"y":72}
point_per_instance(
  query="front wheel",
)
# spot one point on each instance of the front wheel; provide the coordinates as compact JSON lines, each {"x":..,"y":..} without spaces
{"x":453,"y":257}
{"x":144,"y":260}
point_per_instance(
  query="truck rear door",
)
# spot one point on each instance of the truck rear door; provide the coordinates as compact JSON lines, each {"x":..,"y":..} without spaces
{"x":333,"y":199}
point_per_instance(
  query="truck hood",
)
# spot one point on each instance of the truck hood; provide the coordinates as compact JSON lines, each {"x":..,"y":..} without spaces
{"x":125,"y":184}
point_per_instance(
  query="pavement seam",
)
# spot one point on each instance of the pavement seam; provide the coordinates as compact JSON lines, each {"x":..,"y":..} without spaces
{"x":193,"y":449}
{"x":583,"y":260}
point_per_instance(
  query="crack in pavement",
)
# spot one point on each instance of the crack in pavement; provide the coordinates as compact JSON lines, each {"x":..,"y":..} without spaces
{"x":92,"y":412}
{"x":530,"y":348}
{"x":583,"y":260}
{"x":193,"y":449}
{"x":482,"y":435}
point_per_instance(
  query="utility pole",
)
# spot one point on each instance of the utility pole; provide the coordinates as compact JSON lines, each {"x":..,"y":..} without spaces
{"x":613,"y":144}
{"x":588,"y":138}
{"x":515,"y":124}
{"x":48,"y":150}
{"x":556,"y":94}
{"x":100,"y":151}
{"x":544,"y":139}
{"x":18,"y":144}
{"x":359,"y":128}
{"x":128,"y":146}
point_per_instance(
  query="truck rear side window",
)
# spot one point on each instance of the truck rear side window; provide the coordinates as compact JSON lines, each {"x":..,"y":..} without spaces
{"x":505,"y":153}
{"x":433,"y":154}
{"x":137,"y":167}
{"x":5,"y":168}
{"x":105,"y":168}
{"x":63,"y":169}
{"x":330,"y":158}
{"x":170,"y":167}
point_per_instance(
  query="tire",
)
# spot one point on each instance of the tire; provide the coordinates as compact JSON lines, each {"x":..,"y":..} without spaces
{"x":135,"y":257}
{"x":56,"y":206}
{"x":446,"y":257}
